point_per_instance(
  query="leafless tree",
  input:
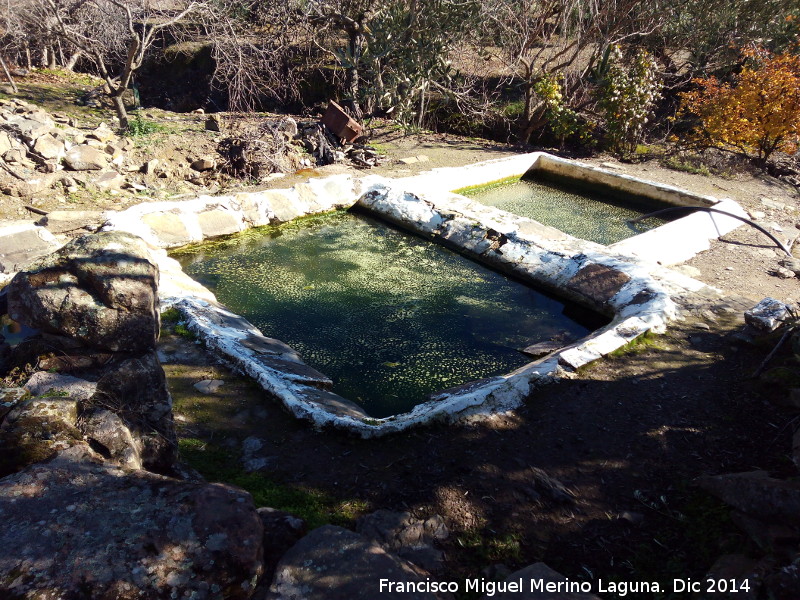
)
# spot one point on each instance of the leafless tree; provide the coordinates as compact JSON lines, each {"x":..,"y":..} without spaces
{"x":115,"y":35}
{"x":260,"y":50}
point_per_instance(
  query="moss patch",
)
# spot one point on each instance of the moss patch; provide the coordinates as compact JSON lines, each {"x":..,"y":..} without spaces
{"x":471,"y":189}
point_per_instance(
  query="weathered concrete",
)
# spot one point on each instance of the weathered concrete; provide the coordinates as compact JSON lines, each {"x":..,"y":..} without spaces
{"x":22,"y":242}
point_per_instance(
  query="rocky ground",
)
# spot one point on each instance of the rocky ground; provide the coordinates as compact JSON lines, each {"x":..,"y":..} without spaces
{"x":596,"y":476}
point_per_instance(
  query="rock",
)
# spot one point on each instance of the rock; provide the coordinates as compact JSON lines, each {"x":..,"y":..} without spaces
{"x":283,"y":206}
{"x":784,"y":584}
{"x":251,"y":445}
{"x":31,"y":126}
{"x":537,"y":572}
{"x":110,"y":180}
{"x":110,"y":438}
{"x":112,"y":150}
{"x":22,"y":242}
{"x":598,"y":283}
{"x":204,"y":164}
{"x":792,"y":399}
{"x":99,"y":289}
{"x":150,"y":167}
{"x":768,"y":315}
{"x":36,"y":430}
{"x":214,"y":123}
{"x":5,"y":142}
{"x":63,"y":221}
{"x":9,"y":398}
{"x":73,"y":528}
{"x":542,"y":348}
{"x":288,"y":126}
{"x":102,"y":133}
{"x":758,"y":495}
{"x":43,"y":382}
{"x":410,"y":538}
{"x":631,"y":517}
{"x":332,"y":563}
{"x":49,"y":147}
{"x":136,"y":390}
{"x":773,"y":204}
{"x":15,"y":155}
{"x":252,"y":463}
{"x":740,"y":569}
{"x":282,"y":530}
{"x":782,"y":273}
{"x":791,"y":264}
{"x":775,"y":538}
{"x":208,"y":386}
{"x":85,"y":158}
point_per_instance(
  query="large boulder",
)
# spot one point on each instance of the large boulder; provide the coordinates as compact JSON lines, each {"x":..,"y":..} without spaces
{"x":136,"y":390}
{"x":408,"y":537}
{"x":85,"y":158}
{"x":99,"y":289}
{"x":75,"y":528}
{"x":757,"y":494}
{"x":110,"y":437}
{"x":332,"y":563}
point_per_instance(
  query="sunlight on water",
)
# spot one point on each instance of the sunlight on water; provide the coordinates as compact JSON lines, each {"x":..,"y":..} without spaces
{"x":388,"y":316}
{"x":591,"y":217}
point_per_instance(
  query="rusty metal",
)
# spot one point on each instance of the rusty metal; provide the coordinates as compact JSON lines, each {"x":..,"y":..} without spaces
{"x":340,"y":123}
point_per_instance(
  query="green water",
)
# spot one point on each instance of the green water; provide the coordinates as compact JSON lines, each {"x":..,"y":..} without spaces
{"x":388,"y":316}
{"x":595,"y":217}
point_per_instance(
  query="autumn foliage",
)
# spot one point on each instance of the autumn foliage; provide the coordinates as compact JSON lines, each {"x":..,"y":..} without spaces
{"x":758,"y":113}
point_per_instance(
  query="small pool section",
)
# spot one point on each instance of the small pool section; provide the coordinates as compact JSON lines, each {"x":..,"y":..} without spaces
{"x":389,"y":316}
{"x":583,"y":213}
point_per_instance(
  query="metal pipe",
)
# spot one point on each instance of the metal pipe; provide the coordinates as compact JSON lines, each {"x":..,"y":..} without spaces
{"x":714,"y":210}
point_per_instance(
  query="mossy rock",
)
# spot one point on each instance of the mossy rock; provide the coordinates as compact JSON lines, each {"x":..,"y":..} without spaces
{"x":35,"y":431}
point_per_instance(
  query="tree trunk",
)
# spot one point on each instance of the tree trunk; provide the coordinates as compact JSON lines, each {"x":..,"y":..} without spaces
{"x":8,"y":76}
{"x":73,"y":60}
{"x":28,"y":62}
{"x":52,"y":61}
{"x":353,"y":77}
{"x":119,"y":106}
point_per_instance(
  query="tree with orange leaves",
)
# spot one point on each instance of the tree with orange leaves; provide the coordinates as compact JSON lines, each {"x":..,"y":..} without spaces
{"x":758,"y":113}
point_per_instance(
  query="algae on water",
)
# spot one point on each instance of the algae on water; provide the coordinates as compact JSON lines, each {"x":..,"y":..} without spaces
{"x":388,"y":316}
{"x":593,"y":217}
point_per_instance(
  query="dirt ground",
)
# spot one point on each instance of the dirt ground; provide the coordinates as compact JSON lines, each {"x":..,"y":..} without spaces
{"x":626,"y":436}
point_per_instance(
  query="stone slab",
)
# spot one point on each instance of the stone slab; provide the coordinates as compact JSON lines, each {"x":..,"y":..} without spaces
{"x":21,"y":243}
